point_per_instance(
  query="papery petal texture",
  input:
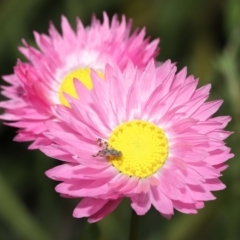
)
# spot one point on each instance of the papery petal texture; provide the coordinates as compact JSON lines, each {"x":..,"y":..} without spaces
{"x":158,"y":95}
{"x":35,"y":85}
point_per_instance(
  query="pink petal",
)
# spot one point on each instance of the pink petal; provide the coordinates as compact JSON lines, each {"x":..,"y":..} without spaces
{"x":214,"y":185}
{"x":160,"y":201}
{"x":199,"y":193}
{"x":188,"y":208}
{"x":109,"y":207}
{"x":172,"y":178}
{"x":89,"y":206}
{"x":207,"y":110}
{"x":141,"y":203}
{"x":170,"y":191}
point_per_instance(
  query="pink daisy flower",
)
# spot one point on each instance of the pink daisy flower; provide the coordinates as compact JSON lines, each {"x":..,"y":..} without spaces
{"x":145,"y":135}
{"x":39,"y":83}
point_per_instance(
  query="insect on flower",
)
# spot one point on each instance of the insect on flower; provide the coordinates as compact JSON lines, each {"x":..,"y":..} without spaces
{"x":106,"y":150}
{"x":148,"y":116}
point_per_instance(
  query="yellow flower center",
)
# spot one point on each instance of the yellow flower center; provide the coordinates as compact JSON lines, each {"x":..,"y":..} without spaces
{"x":67,"y":86}
{"x":144,"y":148}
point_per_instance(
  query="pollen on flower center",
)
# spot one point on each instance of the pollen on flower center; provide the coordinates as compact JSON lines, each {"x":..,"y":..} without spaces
{"x":67,"y":86}
{"x":144,"y":148}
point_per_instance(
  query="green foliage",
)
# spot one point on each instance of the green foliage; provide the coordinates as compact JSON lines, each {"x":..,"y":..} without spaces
{"x":203,"y":35}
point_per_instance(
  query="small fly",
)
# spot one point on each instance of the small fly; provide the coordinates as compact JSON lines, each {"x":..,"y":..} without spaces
{"x":106,"y":151}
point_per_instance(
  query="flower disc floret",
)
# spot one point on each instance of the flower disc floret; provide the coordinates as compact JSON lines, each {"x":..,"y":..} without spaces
{"x":144,"y":148}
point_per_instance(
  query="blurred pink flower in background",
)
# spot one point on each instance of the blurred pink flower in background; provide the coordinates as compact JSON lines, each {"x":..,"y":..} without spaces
{"x":157,"y":142}
{"x":38,"y":84}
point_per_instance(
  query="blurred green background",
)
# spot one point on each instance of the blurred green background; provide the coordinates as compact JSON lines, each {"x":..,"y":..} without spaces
{"x":201,"y":34}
